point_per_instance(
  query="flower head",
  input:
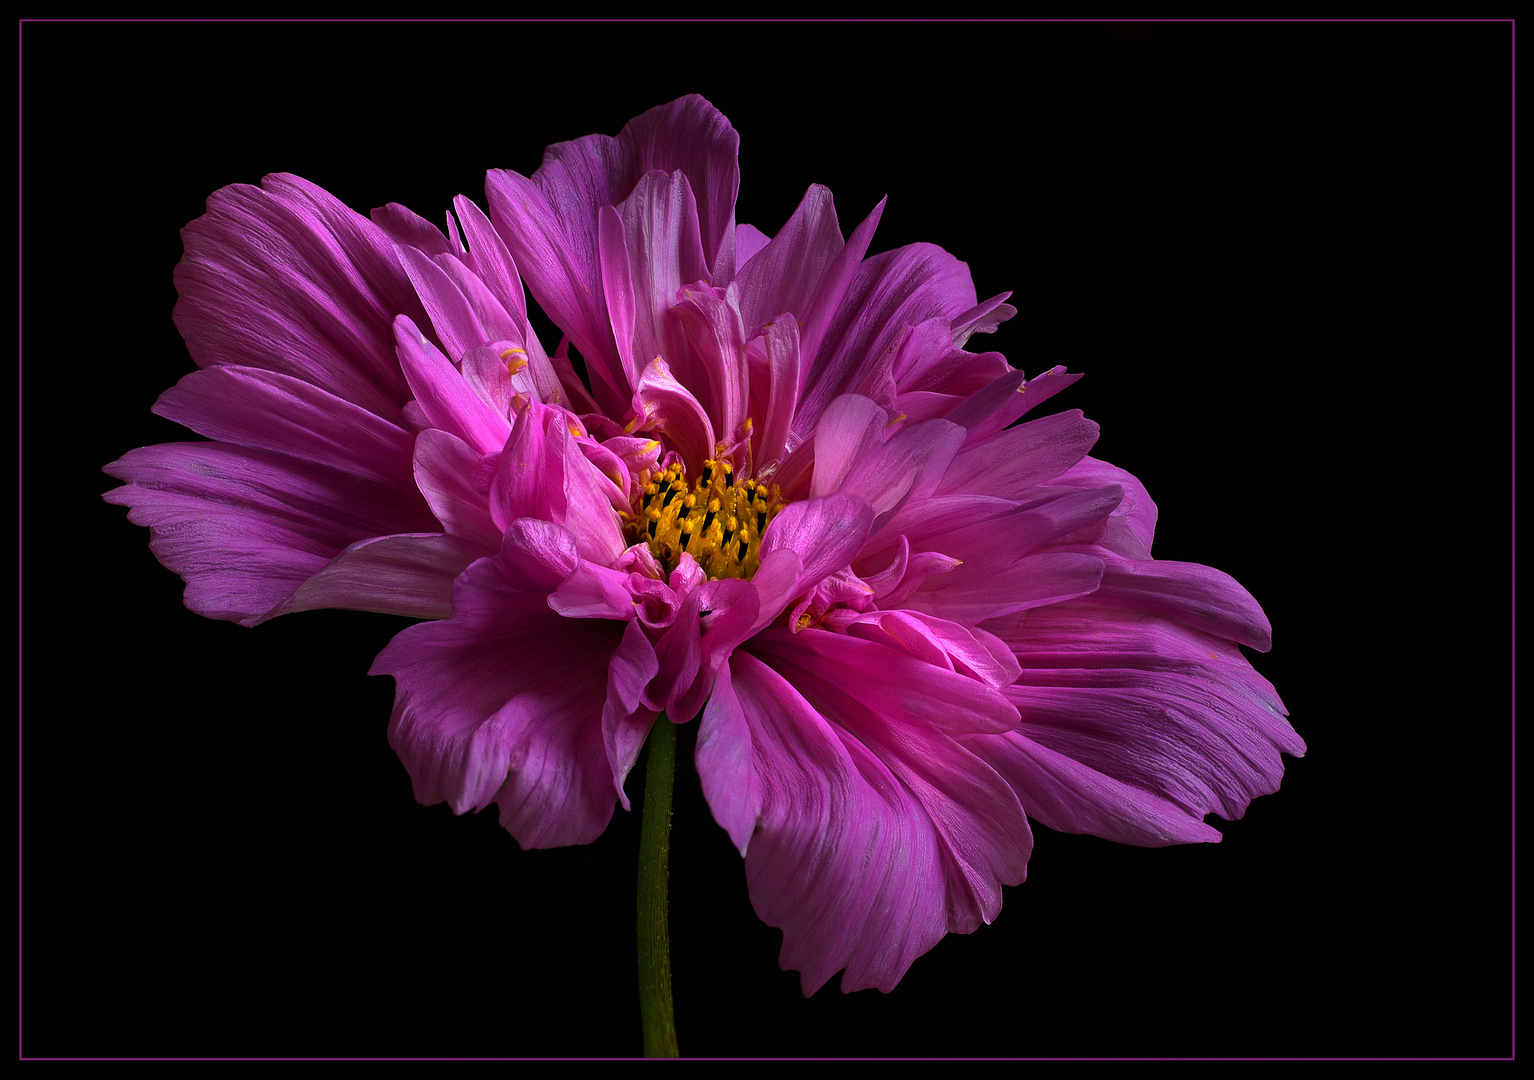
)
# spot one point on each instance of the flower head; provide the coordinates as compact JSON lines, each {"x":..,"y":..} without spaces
{"x":786,"y":503}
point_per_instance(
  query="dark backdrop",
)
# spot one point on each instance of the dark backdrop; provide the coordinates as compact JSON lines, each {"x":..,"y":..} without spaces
{"x":1280,"y":253}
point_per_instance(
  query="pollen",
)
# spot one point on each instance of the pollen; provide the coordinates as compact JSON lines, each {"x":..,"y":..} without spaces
{"x":718,"y":520}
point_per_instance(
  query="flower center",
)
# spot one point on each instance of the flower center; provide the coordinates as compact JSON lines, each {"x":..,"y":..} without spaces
{"x":719,"y":522}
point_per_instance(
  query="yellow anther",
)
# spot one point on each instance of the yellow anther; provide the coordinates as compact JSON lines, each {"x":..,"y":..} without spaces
{"x":718,"y":523}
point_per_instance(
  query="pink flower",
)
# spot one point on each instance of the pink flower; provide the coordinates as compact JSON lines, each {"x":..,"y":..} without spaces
{"x":787,"y":503}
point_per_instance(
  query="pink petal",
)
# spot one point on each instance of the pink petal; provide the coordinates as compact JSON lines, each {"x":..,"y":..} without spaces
{"x":398,"y":575}
{"x":786,"y":274}
{"x":267,"y":410}
{"x":872,"y":838}
{"x":475,"y":722}
{"x":286,"y":278}
{"x":245,"y":528}
{"x":447,"y":400}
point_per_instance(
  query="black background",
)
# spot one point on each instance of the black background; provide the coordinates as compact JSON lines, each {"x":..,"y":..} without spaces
{"x":1281,"y":253}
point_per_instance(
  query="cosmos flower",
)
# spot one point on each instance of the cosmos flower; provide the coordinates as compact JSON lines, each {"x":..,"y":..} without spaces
{"x":786,"y":503}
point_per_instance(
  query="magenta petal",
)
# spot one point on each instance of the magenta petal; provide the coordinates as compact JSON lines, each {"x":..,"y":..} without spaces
{"x":1067,"y":796}
{"x":786,"y":274}
{"x":489,"y":258}
{"x":1197,"y":596}
{"x":456,"y":483}
{"x":285,"y":278}
{"x":874,"y":836}
{"x":398,"y":575}
{"x":447,"y":399}
{"x":268,"y":410}
{"x":660,"y":232}
{"x":245,"y":528}
{"x":883,"y":681}
{"x":556,"y":250}
{"x":717,"y":356}
{"x":1033,"y":581}
{"x":594,"y":592}
{"x":825,"y":533}
{"x":773,"y":360}
{"x":663,"y":404}
{"x":724,"y":761}
{"x":407,"y":227}
{"x":625,"y":722}
{"x":890,"y":292}
{"x":475,"y":722}
{"x":543,"y":474}
{"x":1012,"y":463}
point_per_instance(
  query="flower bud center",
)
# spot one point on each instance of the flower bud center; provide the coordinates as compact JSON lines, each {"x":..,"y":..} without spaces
{"x":719,"y":522}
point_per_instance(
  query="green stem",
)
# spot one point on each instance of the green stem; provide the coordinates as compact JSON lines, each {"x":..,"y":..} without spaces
{"x":655,"y":1013}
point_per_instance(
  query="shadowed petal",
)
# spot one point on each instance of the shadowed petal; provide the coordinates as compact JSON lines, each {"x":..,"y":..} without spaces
{"x":284,"y":277}
{"x":873,"y":837}
{"x":245,"y":528}
{"x":498,"y":703}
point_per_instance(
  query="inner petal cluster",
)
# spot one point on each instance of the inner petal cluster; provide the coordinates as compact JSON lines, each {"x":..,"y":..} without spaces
{"x":719,"y":521}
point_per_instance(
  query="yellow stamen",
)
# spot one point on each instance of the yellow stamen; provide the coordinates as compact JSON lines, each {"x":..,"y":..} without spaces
{"x":717,"y":522}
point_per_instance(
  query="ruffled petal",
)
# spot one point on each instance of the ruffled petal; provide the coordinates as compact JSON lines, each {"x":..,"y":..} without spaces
{"x":786,"y":274}
{"x":245,"y":528}
{"x":874,"y":836}
{"x":890,"y":292}
{"x":499,"y":703}
{"x":285,"y":278}
{"x":1165,"y":708}
{"x":397,"y":575}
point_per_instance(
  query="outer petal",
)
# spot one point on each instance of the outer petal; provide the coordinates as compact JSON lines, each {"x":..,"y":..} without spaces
{"x":1164,"y":708}
{"x":786,"y":274}
{"x":891,"y":291}
{"x":873,"y":836}
{"x":500,"y":704}
{"x":398,"y":575}
{"x":267,"y":410}
{"x":286,"y":278}
{"x":1010,"y":465}
{"x":246,"y":528}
